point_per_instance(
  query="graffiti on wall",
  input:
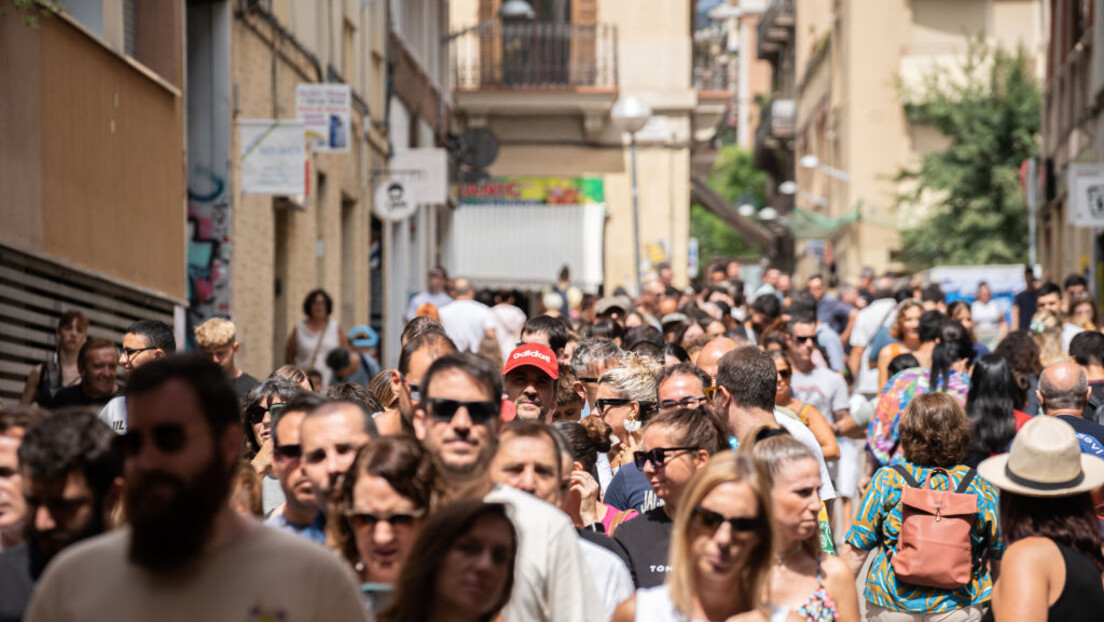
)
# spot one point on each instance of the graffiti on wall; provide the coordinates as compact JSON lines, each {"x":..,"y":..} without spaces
{"x":208,"y":249}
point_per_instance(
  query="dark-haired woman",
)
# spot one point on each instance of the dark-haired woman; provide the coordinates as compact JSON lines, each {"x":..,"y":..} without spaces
{"x":314,"y":337}
{"x":460,"y":568}
{"x":1022,"y":354}
{"x":1053,"y":567}
{"x":586,"y":438}
{"x":991,"y":407}
{"x":62,"y":368}
{"x":380,"y":507}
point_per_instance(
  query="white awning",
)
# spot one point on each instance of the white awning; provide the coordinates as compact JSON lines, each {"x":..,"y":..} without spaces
{"x":524,"y":246}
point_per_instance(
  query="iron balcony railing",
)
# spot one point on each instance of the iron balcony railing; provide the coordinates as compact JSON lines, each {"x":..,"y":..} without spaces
{"x":534,"y":55}
{"x":775,"y":27}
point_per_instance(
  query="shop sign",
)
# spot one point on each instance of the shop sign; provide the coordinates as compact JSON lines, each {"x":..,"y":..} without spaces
{"x":324,"y":108}
{"x":1086,"y":194}
{"x":273,"y":158}
{"x":532,"y":191}
{"x":395,"y":200}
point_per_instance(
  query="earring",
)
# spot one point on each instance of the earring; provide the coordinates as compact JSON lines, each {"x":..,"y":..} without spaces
{"x":632,"y":424}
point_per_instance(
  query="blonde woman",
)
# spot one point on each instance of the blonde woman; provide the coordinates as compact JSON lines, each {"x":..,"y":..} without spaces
{"x":721,"y":550}
{"x":626,"y":398}
{"x":906,"y":331}
{"x":1046,"y":331}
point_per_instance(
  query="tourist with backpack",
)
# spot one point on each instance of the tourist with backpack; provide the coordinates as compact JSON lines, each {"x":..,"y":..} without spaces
{"x":931,"y":523}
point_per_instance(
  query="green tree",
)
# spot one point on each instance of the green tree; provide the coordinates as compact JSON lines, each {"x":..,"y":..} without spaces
{"x":989,"y":108}
{"x":735,"y":178}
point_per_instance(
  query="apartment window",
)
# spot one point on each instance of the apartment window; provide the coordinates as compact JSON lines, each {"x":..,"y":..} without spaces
{"x":130,"y":28}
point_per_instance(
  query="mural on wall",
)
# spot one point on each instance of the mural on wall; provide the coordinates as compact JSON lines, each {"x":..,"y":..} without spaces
{"x":208,"y":250}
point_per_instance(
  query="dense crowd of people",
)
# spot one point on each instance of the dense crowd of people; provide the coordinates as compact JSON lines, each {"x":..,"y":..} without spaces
{"x":795,"y":454}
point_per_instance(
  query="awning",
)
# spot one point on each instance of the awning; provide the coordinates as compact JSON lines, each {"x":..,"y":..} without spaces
{"x":524,"y":246}
{"x":754,"y":233}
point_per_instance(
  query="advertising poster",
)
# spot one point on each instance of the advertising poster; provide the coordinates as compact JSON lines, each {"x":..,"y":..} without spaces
{"x":324,"y":109}
{"x":273,"y":158}
{"x":533,"y":191}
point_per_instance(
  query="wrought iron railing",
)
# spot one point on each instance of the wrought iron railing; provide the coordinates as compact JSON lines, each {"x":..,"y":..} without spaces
{"x":534,"y":55}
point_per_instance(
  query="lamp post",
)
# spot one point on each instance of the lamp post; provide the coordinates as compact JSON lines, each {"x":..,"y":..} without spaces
{"x":811,"y":161}
{"x":630,"y":114}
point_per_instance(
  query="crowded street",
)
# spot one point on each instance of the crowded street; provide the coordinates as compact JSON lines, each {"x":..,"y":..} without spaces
{"x":551,"y":311}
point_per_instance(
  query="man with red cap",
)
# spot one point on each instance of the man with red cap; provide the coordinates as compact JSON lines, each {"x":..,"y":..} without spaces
{"x":530,"y":373}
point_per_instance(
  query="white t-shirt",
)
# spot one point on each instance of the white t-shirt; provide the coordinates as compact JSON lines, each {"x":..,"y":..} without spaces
{"x":613,"y":579}
{"x":266,"y":575}
{"x":114,"y":414}
{"x":881,"y":312}
{"x":986,"y":315}
{"x":551,"y":580}
{"x":823,"y":388}
{"x":508,"y":322}
{"x":466,"y":322}
{"x":802,"y":433}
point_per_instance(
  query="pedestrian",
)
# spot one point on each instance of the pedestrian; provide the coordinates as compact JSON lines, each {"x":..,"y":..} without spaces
{"x":217,"y":338}
{"x":299,"y":513}
{"x":315,"y":336}
{"x":145,"y":341}
{"x":593,"y":357}
{"x":1062,"y":393}
{"x":1025,"y":303}
{"x":587,"y":439}
{"x":548,"y":331}
{"x":185,"y":554}
{"x":812,"y":384}
{"x":14,"y":423}
{"x":458,"y":425}
{"x":991,"y":408}
{"x":626,"y":399}
{"x":674,"y":445}
{"x":406,"y":381}
{"x":988,"y":316}
{"x":914,"y":332}
{"x":806,"y":413}
{"x":569,"y":405}
{"x":467,"y":321}
{"x":461,"y":567}
{"x":262,"y":405}
{"x":961,"y":312}
{"x":294,"y":374}
{"x":530,"y":377}
{"x":1052,"y":568}
{"x":1082,"y":312}
{"x":1046,"y":331}
{"x":805,"y":579}
{"x":721,"y":550}
{"x":71,"y":482}
{"x":348,"y":366}
{"x":62,"y":368}
{"x":330,"y":435}
{"x":1022,"y":354}
{"x":434,"y":294}
{"x":508,"y":321}
{"x":934,"y":436}
{"x":98,"y":364}
{"x":380,"y":507}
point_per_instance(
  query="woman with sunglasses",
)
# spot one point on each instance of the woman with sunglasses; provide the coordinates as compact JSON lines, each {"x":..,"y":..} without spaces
{"x":720,"y":550}
{"x":625,"y":398}
{"x":803,"y":579}
{"x":380,"y":507}
{"x":675,"y":444}
{"x":264,"y":401}
{"x":806,"y":413}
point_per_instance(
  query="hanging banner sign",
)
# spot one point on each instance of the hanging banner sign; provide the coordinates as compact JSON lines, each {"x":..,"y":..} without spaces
{"x":1086,"y":194}
{"x":273,"y":157}
{"x":394,"y":200}
{"x":324,"y":108}
{"x":533,"y":191}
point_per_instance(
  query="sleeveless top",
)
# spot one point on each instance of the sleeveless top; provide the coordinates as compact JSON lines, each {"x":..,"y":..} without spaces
{"x":654,"y":605}
{"x":1082,"y":597}
{"x":306,"y":340}
{"x":49,"y":382}
{"x":819,"y":607}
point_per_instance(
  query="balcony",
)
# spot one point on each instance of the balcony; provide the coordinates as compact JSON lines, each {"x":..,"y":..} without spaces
{"x":776,"y":128}
{"x":776,"y":28}
{"x":535,"y":56}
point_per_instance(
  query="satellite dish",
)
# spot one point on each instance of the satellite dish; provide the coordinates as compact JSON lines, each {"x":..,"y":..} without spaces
{"x":480,"y":147}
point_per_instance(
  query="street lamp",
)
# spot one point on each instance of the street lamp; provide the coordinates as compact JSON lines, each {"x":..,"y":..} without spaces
{"x":768,"y":214}
{"x":630,"y":114}
{"x":811,"y":161}
{"x":516,"y":9}
{"x":747,"y":210}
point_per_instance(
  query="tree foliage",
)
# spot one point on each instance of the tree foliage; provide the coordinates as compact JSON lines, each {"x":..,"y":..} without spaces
{"x":736,"y":179}
{"x":989,"y":108}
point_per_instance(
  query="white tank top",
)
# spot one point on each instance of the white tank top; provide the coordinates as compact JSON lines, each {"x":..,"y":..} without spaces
{"x":306,"y":340}
{"x":654,"y":605}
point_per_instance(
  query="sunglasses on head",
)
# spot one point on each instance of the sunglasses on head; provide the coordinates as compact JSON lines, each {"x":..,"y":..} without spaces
{"x":606,"y":402}
{"x":445,"y":410}
{"x":709,"y":520}
{"x":256,"y":413}
{"x":658,"y":456}
{"x":686,"y":402}
{"x":588,"y":380}
{"x":168,"y":438}
{"x":289,"y":452}
{"x":397,"y":520}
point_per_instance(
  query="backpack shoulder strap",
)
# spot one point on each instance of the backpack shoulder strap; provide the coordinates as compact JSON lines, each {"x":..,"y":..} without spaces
{"x":909,"y":479}
{"x":617,"y":520}
{"x":966,"y":480}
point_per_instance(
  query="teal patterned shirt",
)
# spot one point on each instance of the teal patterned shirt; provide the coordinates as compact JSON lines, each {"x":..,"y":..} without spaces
{"x":878,"y":525}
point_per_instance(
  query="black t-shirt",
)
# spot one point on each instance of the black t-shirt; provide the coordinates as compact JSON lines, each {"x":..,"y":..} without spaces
{"x":1088,"y":428}
{"x":16,"y":583}
{"x":243,"y":384}
{"x":1096,"y":400}
{"x":74,"y":396}
{"x":1027,"y":303}
{"x":645,"y":540}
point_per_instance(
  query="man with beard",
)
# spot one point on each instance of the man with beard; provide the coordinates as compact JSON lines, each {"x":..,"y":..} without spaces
{"x":331,"y":434}
{"x":416,"y":357}
{"x":96,"y":362}
{"x":71,"y":485}
{"x":186,"y":553}
{"x":458,"y":423}
{"x":531,"y":373}
{"x":299,"y":513}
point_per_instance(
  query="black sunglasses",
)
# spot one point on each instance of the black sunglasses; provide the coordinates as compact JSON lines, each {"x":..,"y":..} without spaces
{"x":256,"y":413}
{"x":658,"y":456}
{"x":445,"y":410}
{"x":129,"y":353}
{"x":712,"y":521}
{"x":805,"y":339}
{"x":397,"y":520}
{"x":785,"y":374}
{"x":290,"y":452}
{"x":588,"y":380}
{"x":168,"y":438}
{"x":686,"y":402}
{"x":606,"y":402}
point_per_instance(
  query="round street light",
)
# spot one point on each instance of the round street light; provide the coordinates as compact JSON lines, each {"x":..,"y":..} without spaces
{"x":809,"y":161}
{"x":788,"y":187}
{"x":516,"y":9}
{"x":630,"y":114}
{"x":768,"y":214}
{"x":747,"y":210}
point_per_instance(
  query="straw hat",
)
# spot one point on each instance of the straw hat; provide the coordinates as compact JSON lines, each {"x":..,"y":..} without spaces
{"x":1045,"y":461}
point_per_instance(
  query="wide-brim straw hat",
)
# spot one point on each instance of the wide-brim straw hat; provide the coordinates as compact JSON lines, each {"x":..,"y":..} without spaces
{"x":1045,"y":461}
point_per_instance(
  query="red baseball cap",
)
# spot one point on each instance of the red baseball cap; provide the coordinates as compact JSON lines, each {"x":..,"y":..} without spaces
{"x":533,"y":354}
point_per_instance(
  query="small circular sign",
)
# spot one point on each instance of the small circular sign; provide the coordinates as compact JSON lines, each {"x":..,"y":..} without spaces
{"x":394,"y":200}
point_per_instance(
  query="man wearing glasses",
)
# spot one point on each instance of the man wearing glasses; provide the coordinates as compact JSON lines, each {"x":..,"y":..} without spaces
{"x":682,"y":386}
{"x":299,"y":514}
{"x":457,"y":423}
{"x":144,"y":341}
{"x":416,"y":357}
